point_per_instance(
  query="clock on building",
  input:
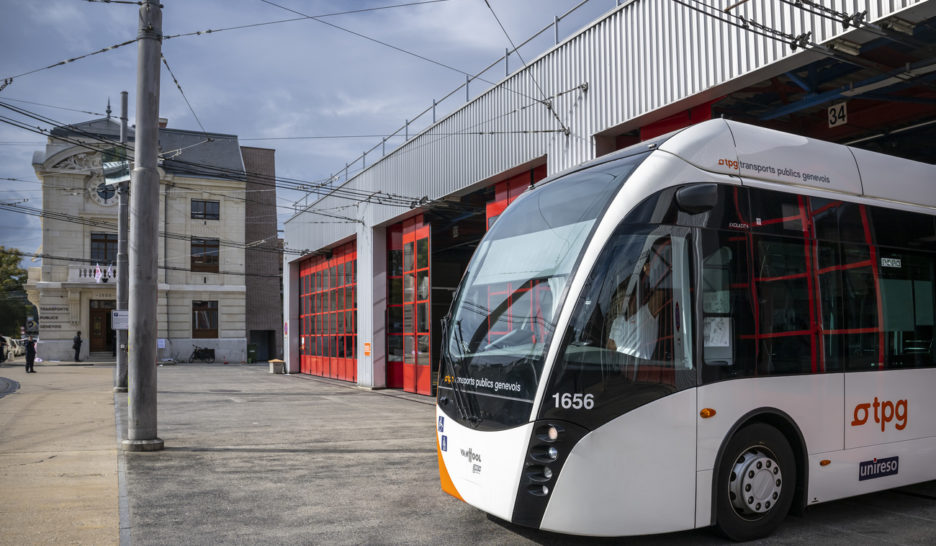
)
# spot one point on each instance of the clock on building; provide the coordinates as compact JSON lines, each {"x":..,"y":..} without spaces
{"x":101,"y":193}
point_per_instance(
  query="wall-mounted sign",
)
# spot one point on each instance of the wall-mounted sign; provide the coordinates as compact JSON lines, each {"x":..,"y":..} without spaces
{"x":838,"y":114}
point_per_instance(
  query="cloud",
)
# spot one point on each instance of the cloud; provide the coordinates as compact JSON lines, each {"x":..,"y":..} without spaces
{"x":300,"y":78}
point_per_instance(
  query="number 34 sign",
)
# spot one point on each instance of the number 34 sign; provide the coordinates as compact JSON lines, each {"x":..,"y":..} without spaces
{"x":838,"y":114}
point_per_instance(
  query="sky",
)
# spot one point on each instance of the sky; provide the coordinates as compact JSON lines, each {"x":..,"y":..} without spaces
{"x":269,"y":84}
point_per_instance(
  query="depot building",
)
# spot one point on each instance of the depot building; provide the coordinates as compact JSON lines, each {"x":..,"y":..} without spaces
{"x":387,"y":241}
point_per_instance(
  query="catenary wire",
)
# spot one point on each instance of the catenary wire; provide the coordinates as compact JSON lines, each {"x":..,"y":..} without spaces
{"x":71,"y":259}
{"x":10,"y":79}
{"x":302,"y":18}
{"x":263,"y":179}
{"x":185,"y":98}
{"x":112,"y":226}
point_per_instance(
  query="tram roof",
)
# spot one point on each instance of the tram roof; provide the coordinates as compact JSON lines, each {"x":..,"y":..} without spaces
{"x":758,"y":153}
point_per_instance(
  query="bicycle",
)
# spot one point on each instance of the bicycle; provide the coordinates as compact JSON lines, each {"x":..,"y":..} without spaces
{"x":204,"y":354}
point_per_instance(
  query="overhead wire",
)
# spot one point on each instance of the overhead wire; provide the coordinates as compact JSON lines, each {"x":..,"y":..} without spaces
{"x":379,"y":198}
{"x":230,"y":172}
{"x":411,"y":148}
{"x":261,"y":178}
{"x":857,"y":20}
{"x":56,"y":107}
{"x":132,"y":2}
{"x":112,"y":226}
{"x":8,"y":80}
{"x":391,"y":46}
{"x":71,"y":259}
{"x":328,"y":181}
{"x":800,"y":41}
{"x":181,"y":92}
{"x":293,"y":19}
{"x":546,"y":102}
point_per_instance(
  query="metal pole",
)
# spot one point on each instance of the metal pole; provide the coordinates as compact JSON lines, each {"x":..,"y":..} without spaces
{"x":144,"y":208}
{"x":123,"y":231}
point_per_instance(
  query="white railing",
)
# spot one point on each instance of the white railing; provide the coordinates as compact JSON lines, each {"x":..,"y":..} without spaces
{"x":89,"y":274}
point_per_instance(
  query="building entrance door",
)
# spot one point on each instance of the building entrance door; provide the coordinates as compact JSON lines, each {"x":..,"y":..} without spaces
{"x":101,"y":336}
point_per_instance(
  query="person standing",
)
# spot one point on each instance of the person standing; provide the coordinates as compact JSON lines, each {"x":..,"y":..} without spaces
{"x":2,"y":348}
{"x":30,"y":355}
{"x":76,"y":345}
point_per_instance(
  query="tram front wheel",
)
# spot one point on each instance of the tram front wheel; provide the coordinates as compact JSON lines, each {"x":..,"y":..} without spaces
{"x":756,"y":481}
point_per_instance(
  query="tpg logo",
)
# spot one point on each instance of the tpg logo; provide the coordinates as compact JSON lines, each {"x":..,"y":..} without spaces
{"x":884,"y":412}
{"x":730,"y":163}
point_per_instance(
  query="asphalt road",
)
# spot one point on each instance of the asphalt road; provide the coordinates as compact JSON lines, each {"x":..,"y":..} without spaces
{"x":258,"y":458}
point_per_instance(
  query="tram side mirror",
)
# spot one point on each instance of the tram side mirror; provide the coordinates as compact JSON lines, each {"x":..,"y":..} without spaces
{"x":697,"y":198}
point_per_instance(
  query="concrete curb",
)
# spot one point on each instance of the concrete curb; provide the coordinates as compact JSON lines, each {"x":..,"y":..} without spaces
{"x":123,"y":497}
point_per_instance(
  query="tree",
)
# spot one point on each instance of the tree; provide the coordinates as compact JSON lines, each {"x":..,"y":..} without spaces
{"x":14,"y":306}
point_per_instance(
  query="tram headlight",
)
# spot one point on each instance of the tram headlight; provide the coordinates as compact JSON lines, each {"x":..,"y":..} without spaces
{"x":552,"y":433}
{"x":539,"y":473}
{"x":549,"y":433}
{"x":539,"y":490}
{"x":544,"y":454}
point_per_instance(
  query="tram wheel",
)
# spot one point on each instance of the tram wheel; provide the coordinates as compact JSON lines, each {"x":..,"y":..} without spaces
{"x":756,"y":483}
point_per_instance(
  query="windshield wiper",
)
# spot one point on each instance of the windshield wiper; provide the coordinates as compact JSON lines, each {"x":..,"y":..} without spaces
{"x":462,"y":404}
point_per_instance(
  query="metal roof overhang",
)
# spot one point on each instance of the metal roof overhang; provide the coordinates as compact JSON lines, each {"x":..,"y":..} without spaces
{"x":885,"y":77}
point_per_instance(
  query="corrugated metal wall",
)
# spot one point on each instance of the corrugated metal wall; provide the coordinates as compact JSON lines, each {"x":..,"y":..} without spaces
{"x":640,"y":58}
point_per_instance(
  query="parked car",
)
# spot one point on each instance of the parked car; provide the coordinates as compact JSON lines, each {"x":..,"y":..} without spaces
{"x":9,"y":348}
{"x":20,"y":347}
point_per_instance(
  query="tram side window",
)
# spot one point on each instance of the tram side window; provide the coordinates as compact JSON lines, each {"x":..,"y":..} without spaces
{"x":908,"y":304}
{"x":778,"y":213}
{"x":784,"y":332}
{"x":727,"y":314}
{"x":629,"y":341}
{"x":730,"y":211}
{"x":848,"y":302}
{"x":894,"y":228}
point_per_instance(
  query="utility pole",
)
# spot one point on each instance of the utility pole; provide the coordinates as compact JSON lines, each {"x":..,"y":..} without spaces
{"x":123,"y":231}
{"x":144,"y":207}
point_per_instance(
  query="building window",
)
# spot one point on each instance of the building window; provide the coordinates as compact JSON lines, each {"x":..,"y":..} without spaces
{"x":206,"y":210}
{"x":205,"y":255}
{"x":104,"y":247}
{"x":204,"y":319}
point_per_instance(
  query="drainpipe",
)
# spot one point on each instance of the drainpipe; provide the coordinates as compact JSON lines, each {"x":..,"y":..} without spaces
{"x":165,"y":257}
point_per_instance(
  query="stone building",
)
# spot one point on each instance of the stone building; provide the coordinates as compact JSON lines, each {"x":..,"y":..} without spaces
{"x":207,"y":223}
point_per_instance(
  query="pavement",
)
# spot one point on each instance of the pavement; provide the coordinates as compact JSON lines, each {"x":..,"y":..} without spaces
{"x":257,"y":458}
{"x":58,"y":457}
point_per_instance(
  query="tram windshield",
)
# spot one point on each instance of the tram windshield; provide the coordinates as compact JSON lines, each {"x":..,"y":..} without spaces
{"x":505,"y":313}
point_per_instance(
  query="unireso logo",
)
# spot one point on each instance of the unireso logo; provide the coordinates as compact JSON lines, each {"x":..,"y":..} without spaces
{"x":877,"y":468}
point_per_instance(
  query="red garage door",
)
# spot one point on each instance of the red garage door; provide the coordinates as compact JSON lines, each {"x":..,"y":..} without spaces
{"x":328,"y":314}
